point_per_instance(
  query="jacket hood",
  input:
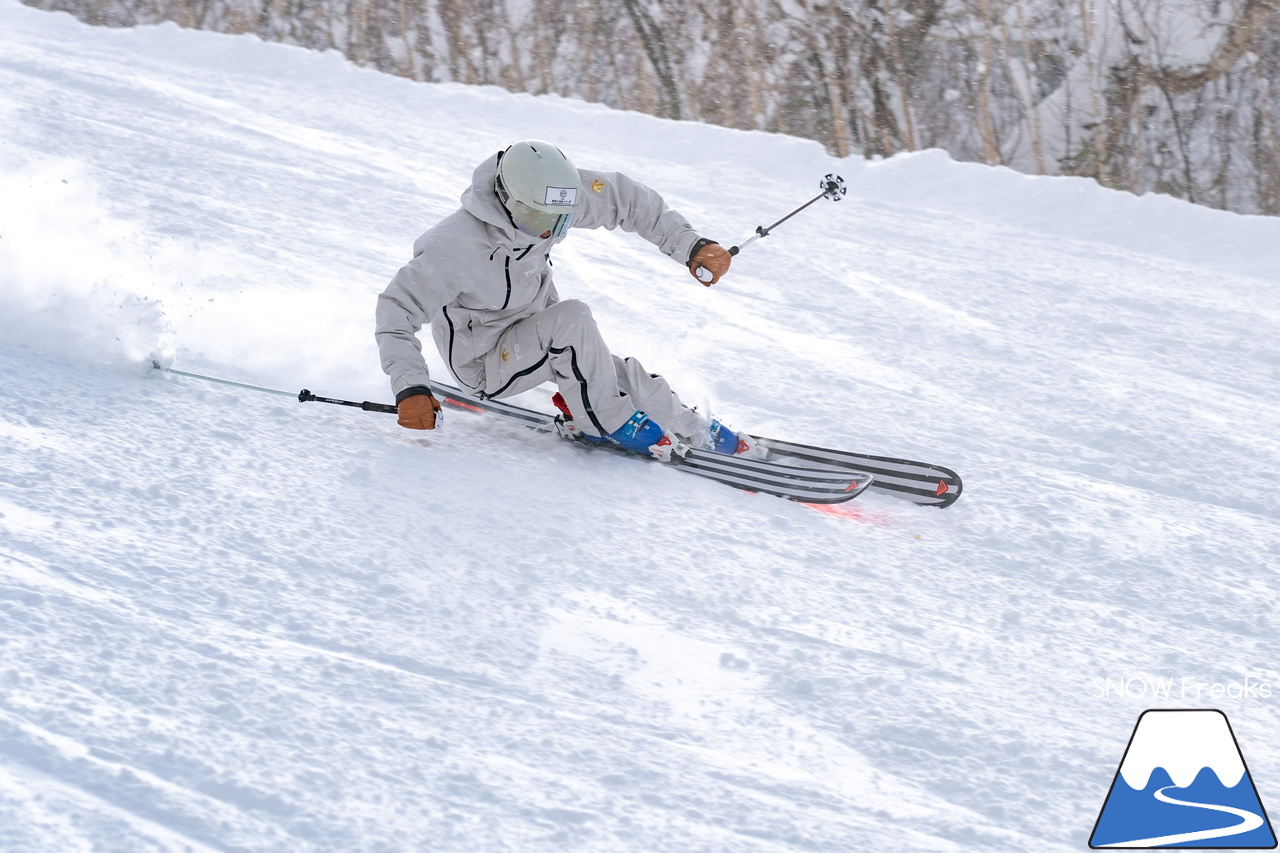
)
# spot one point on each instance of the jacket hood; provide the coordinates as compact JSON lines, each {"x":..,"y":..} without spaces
{"x":481,"y":202}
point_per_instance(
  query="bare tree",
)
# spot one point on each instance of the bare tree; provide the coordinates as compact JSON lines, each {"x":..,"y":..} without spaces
{"x":1175,"y":96}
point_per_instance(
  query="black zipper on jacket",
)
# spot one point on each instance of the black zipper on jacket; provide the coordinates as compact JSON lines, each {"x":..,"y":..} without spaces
{"x":507,"y":270}
{"x":449,"y":320}
{"x":507,"y":301}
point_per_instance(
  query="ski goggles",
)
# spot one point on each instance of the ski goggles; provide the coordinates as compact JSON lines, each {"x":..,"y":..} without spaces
{"x":535,"y":223}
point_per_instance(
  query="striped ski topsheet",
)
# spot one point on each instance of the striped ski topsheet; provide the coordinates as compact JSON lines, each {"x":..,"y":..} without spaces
{"x":807,"y":484}
{"x":919,"y":482}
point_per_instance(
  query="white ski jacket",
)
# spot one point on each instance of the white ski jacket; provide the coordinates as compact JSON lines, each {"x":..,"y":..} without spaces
{"x":474,"y":274}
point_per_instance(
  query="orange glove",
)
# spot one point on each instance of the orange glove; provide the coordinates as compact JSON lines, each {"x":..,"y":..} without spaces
{"x":418,"y":411}
{"x":712,"y":257}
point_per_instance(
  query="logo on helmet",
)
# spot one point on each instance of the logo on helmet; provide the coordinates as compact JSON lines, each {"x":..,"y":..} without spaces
{"x":561,"y":196}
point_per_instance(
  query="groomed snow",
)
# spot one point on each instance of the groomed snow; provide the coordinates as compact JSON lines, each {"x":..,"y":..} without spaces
{"x":232,"y":622}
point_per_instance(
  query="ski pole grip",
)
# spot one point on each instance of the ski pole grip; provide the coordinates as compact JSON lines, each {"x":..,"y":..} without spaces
{"x":305,"y":396}
{"x":705,"y":275}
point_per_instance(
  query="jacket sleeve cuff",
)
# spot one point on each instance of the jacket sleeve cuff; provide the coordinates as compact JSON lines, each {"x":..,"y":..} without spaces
{"x":413,"y":391}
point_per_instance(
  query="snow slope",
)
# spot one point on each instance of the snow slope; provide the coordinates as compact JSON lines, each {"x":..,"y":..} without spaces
{"x":232,"y":622}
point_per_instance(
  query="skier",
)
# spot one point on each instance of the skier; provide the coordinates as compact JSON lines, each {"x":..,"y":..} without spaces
{"x":482,"y":278}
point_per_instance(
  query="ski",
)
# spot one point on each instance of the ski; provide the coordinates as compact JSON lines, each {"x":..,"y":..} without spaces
{"x":918,"y":482}
{"x":793,"y":482}
{"x":803,"y":483}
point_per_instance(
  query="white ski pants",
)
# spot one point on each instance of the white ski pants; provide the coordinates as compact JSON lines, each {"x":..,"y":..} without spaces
{"x":562,"y":344}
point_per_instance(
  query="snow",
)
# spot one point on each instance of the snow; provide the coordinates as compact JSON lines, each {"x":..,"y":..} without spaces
{"x":229,"y":621}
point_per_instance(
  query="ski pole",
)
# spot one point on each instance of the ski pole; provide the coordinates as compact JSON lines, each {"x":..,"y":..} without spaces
{"x":158,"y":366}
{"x":303,"y":396}
{"x":832,"y":187}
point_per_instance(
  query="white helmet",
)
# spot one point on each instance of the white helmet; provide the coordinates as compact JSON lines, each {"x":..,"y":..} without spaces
{"x":539,"y":187}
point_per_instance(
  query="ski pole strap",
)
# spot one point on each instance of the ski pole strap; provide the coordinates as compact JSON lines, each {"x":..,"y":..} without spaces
{"x":305,"y":396}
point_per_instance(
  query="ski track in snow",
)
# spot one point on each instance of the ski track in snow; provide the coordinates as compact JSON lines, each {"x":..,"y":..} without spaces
{"x":232,"y":622}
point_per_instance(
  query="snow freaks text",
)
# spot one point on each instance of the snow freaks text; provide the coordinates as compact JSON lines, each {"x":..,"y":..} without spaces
{"x":1153,"y":687}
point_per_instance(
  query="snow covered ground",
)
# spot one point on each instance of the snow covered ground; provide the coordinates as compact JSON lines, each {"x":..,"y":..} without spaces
{"x":232,"y":622}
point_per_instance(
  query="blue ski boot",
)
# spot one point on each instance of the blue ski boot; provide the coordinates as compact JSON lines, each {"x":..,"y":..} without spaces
{"x":640,"y":434}
{"x":721,"y":439}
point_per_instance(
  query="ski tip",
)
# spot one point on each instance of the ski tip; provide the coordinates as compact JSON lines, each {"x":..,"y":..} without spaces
{"x":858,"y":484}
{"x":948,"y":489}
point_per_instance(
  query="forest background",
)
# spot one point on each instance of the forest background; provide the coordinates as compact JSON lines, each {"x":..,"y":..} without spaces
{"x":1172,"y":96}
